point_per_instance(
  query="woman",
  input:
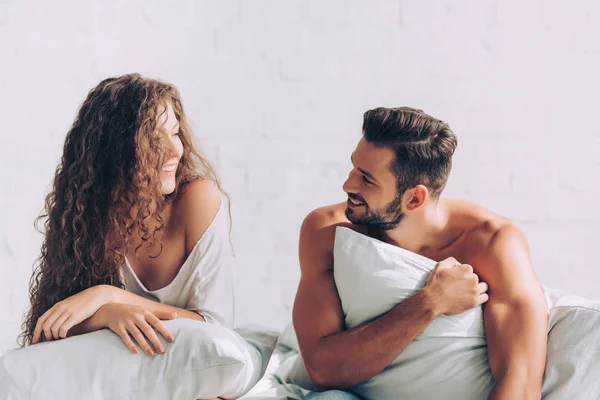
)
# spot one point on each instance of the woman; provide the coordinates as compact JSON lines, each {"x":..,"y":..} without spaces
{"x":137,"y":226}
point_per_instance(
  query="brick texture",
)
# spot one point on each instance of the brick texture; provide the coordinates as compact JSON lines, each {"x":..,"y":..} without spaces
{"x":276,"y":92}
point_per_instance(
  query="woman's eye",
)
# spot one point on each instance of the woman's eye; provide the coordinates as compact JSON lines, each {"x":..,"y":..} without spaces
{"x":177,"y":134}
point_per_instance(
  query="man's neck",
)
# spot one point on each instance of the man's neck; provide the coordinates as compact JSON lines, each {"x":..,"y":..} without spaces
{"x":426,"y":231}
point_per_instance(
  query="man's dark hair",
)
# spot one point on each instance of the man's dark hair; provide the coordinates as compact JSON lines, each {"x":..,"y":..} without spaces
{"x":423,"y":146}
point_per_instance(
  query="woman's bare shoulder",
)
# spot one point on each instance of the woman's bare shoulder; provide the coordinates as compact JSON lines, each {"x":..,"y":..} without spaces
{"x":196,"y":206}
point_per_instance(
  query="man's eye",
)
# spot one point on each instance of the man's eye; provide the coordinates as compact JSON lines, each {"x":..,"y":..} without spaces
{"x":368,"y":182}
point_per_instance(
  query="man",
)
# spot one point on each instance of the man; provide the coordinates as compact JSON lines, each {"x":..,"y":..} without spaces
{"x":400,"y":167}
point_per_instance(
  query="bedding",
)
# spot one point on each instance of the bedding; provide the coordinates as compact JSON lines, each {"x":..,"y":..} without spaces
{"x":204,"y":361}
{"x":444,"y":349}
{"x":449,"y":359}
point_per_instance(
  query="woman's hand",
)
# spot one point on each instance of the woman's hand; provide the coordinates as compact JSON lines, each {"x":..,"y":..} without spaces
{"x":56,"y":322}
{"x":129,"y":321}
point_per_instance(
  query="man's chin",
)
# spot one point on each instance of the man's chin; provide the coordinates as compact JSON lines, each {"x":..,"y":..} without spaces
{"x":352,"y":216}
{"x":349,"y":213}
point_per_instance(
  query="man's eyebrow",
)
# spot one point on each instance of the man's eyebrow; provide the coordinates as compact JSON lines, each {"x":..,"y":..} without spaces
{"x":362,"y":171}
{"x":371,"y":177}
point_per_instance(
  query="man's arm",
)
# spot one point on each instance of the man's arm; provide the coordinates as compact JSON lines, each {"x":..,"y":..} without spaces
{"x":515,"y":317}
{"x":338,"y":358}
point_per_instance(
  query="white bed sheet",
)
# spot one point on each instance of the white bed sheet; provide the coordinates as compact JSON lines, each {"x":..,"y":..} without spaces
{"x":572,"y":365}
{"x":272,"y":385}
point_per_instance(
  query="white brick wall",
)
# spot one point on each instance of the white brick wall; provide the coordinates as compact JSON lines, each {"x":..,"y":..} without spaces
{"x":276,"y":91}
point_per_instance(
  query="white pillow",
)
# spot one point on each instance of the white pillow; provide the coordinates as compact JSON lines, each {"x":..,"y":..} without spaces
{"x":204,"y":361}
{"x":449,"y":359}
{"x":573,"y":357}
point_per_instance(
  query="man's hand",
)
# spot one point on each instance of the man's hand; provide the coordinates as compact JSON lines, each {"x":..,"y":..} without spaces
{"x":56,"y":322}
{"x":454,"y":288}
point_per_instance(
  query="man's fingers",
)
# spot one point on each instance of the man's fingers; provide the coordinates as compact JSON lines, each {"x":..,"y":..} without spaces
{"x":483,"y":287}
{"x":467,"y":268}
{"x":139,"y":338}
{"x":161,"y":328}
{"x":482,"y":298}
{"x":447,"y":263}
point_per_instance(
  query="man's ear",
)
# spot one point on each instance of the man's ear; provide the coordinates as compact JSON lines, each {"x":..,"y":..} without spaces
{"x":415,"y":197}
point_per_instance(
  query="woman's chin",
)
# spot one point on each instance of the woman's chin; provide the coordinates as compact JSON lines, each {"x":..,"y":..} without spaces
{"x":167,"y":188}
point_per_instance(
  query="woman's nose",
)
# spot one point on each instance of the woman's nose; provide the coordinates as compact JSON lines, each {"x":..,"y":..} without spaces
{"x":174,"y":147}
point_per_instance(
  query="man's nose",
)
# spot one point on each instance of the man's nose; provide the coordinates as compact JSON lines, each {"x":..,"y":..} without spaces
{"x":349,"y":185}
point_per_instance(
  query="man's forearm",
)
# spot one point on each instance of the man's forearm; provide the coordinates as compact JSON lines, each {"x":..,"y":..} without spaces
{"x":515,"y":387}
{"x":516,"y":336}
{"x":353,"y":356}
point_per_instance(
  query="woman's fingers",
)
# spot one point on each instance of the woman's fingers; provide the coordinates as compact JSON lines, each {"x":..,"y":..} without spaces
{"x":37,"y":332}
{"x":57,"y":326}
{"x":160,"y":327}
{"x":165,"y":314}
{"x":139,"y":338}
{"x":44,"y":324}
{"x":151,"y":335}
{"x":66,"y":326}
{"x":127,"y":340}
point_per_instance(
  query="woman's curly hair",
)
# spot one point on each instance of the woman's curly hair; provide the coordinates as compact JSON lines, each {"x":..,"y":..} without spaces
{"x":110,"y":165}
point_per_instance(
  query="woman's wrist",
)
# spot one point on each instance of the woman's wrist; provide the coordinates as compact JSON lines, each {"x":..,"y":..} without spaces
{"x":105,"y":294}
{"x":97,"y":321}
{"x":100,"y":318}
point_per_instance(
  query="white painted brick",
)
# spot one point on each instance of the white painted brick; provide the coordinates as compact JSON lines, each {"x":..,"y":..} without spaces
{"x":276,"y":92}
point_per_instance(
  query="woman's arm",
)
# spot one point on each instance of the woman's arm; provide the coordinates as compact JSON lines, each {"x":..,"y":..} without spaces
{"x":110,"y":294}
{"x":210,"y":299}
{"x":122,"y":296}
{"x":78,"y":314}
{"x":130,"y":322}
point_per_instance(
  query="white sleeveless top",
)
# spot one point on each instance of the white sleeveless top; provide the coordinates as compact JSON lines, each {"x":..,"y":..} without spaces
{"x":204,"y":283}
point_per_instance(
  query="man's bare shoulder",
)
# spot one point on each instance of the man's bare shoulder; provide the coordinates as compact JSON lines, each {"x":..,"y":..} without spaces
{"x":491,"y":234}
{"x":317,"y":236}
{"x":329,"y":216}
{"x":488,"y":233}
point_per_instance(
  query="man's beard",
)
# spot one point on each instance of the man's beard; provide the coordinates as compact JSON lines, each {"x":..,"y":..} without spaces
{"x":386,"y":219}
